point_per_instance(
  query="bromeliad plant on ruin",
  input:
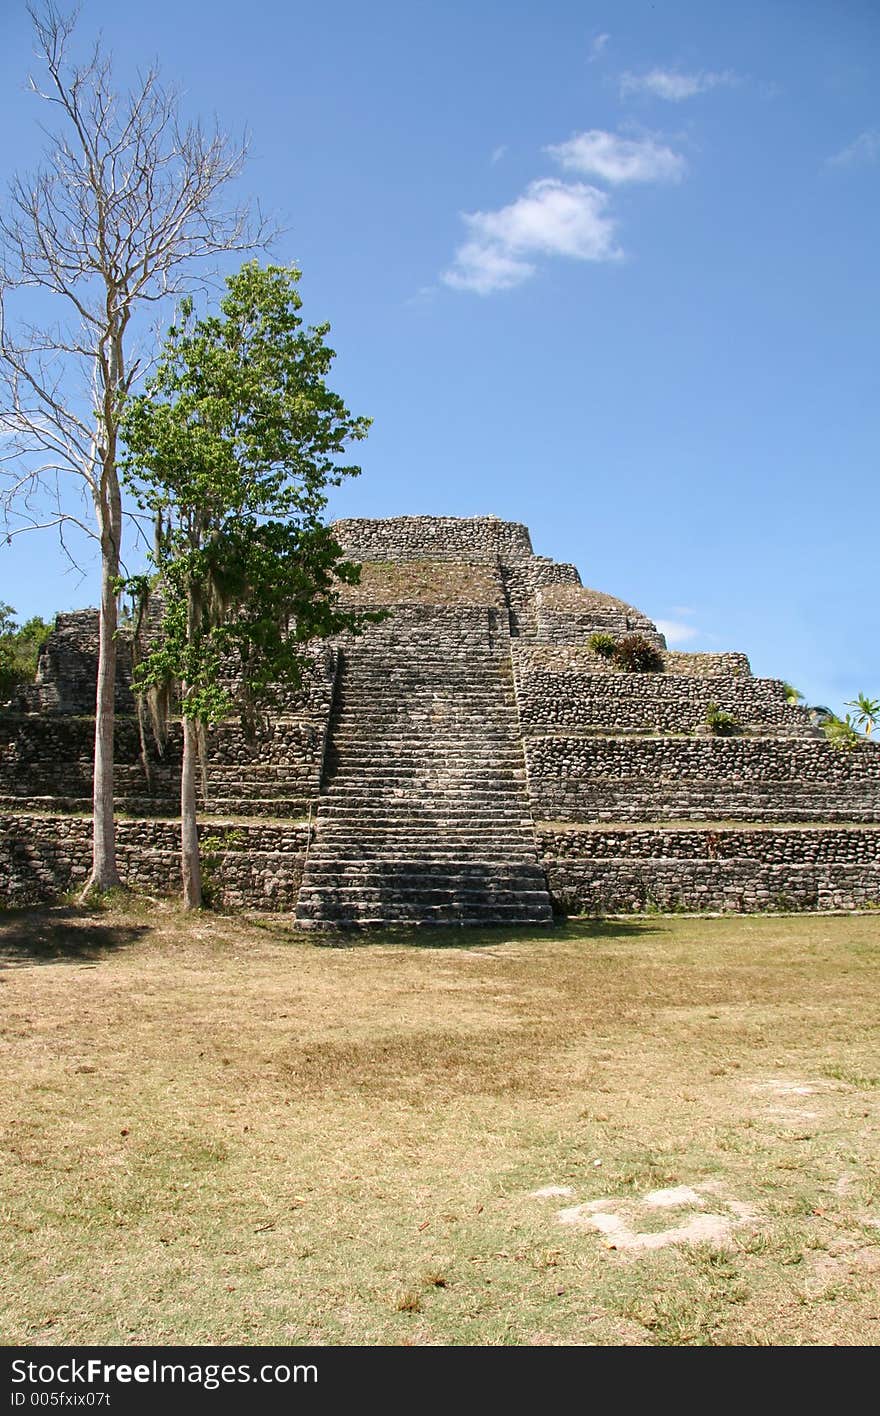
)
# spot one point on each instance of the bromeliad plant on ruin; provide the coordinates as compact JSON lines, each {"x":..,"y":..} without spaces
{"x":231,"y":449}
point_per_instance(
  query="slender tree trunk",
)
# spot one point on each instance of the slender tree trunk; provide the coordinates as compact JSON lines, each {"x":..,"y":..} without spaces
{"x":190,"y":865}
{"x":105,"y":874}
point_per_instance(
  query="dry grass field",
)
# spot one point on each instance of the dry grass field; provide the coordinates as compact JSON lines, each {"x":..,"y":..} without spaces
{"x":221,"y":1131}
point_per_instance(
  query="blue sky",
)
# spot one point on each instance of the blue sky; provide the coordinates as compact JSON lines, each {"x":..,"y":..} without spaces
{"x":608,"y":269}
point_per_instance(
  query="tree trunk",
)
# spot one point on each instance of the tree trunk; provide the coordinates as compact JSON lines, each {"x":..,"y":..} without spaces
{"x":190,"y":865}
{"x":105,"y":874}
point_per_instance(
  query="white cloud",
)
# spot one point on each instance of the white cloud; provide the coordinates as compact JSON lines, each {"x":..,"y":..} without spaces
{"x":862,"y":150}
{"x":675,"y":632}
{"x":597,"y":48}
{"x":673,"y":86}
{"x":499,"y":152}
{"x":616,"y":159}
{"x":551,"y":218}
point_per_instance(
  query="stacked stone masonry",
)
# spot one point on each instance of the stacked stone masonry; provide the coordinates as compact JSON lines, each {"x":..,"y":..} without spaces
{"x":470,"y":759}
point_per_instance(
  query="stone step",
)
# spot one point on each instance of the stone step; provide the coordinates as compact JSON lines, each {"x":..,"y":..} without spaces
{"x":431,"y":889}
{"x":424,"y":816}
{"x":426,"y":807}
{"x":450,"y":683}
{"x":378,"y":913}
{"x":408,"y":890}
{"x":432,"y":828}
{"x":342,"y":829}
{"x":341,"y":843}
{"x":472,"y":742}
{"x":441,"y":680}
{"x":480,"y":848}
{"x":366,"y":925}
{"x":379,"y":766}
{"x":420,"y":874}
{"x":481,"y":734}
{"x":433,"y":811}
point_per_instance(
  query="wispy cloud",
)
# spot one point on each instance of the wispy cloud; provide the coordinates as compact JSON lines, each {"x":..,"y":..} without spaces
{"x":423,"y":297}
{"x":597,"y":48}
{"x":597,"y":153}
{"x":551,"y":218}
{"x":862,"y":151}
{"x":676,"y":632}
{"x":673,"y":85}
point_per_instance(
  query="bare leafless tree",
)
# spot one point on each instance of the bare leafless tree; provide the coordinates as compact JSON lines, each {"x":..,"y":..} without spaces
{"x":123,"y":213}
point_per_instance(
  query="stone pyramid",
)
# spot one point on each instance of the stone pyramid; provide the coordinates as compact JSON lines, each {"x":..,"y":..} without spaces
{"x":471,"y":760}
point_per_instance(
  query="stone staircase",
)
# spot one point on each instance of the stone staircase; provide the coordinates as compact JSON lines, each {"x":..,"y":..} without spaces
{"x":424,"y":817}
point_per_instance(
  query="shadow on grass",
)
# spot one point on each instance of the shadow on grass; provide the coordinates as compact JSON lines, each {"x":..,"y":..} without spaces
{"x":466,"y":937}
{"x":47,"y":934}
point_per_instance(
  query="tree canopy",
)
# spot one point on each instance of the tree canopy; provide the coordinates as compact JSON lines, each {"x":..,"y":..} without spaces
{"x":231,"y":449}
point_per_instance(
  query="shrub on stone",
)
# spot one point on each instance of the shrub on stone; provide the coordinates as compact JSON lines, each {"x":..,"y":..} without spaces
{"x":602,"y":644}
{"x":637,"y":655}
{"x":842,"y":733}
{"x":721,"y":723}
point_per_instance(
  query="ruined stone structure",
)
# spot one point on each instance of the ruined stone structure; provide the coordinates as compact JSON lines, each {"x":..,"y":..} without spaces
{"x":469,"y":760}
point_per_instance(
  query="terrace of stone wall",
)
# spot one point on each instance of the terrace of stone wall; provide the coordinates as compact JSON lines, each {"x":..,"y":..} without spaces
{"x":248,"y":865}
{"x":584,"y":778}
{"x":717,"y":868}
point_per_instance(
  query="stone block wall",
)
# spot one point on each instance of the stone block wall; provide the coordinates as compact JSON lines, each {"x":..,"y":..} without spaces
{"x":456,"y":627}
{"x":653,"y":703}
{"x":48,"y":757}
{"x":574,"y":659}
{"x":724,"y":869}
{"x":584,"y":778}
{"x":477,"y":538}
{"x":569,"y":614}
{"x":251,"y":866}
{"x":523,"y":579}
{"x":67,"y":669}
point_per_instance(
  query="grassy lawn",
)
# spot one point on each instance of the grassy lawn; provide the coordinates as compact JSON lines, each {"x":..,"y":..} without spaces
{"x":221,"y":1131}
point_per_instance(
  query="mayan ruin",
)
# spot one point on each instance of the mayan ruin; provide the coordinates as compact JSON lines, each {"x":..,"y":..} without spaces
{"x":475,"y":758}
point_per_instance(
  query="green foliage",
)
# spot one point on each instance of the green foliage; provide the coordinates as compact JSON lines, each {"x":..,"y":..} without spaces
{"x":793,"y":696}
{"x":231,"y":449}
{"x":19,"y":650}
{"x":637,"y":655}
{"x":602,"y":644}
{"x":212,"y":851}
{"x":720,"y":722}
{"x":867,"y":714}
{"x":841,"y":732}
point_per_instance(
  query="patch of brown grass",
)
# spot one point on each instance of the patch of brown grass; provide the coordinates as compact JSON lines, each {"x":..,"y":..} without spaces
{"x":218,"y":1130}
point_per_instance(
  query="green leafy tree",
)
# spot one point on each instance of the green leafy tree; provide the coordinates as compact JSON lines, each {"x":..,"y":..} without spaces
{"x":19,"y":649}
{"x":231,"y":449}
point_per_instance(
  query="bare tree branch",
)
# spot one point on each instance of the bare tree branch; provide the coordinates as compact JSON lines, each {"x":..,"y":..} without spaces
{"x":127,"y":207}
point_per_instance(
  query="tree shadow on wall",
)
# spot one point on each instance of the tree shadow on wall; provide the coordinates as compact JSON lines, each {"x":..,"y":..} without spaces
{"x":61,"y":934}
